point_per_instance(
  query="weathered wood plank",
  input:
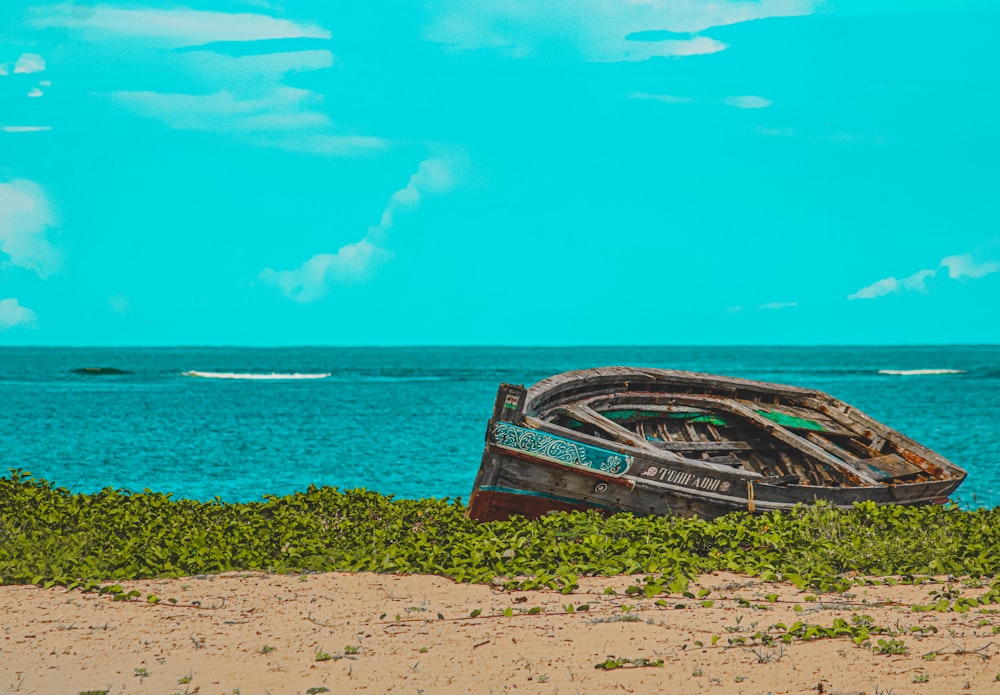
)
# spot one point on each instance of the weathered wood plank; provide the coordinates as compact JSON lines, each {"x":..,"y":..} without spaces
{"x":703,"y":446}
{"x":843,"y":454}
{"x":613,"y":429}
{"x":890,"y":467}
{"x":780,"y":433}
{"x":931,"y":462}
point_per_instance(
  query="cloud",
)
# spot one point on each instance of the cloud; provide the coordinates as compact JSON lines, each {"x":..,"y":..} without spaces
{"x":815,"y":135}
{"x":4,"y":69}
{"x":351,"y":264}
{"x":358,"y":261}
{"x":34,"y":93}
{"x":879,"y":288}
{"x":25,"y":128}
{"x":599,"y":30}
{"x":433,"y":176}
{"x":25,"y":217}
{"x":13,"y":314}
{"x":918,"y":281}
{"x":747,"y":102}
{"x":665,"y":98}
{"x":172,"y":27}
{"x":234,"y":68}
{"x":778,"y":305}
{"x":958,"y":267}
{"x":740,"y":102}
{"x":29,"y":63}
{"x":965,"y":266}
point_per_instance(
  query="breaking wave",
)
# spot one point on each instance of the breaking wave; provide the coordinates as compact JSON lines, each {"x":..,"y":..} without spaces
{"x":257,"y":377}
{"x":920,"y":372}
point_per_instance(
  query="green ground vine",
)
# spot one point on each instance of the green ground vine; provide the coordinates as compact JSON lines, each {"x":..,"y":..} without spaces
{"x":49,"y":535}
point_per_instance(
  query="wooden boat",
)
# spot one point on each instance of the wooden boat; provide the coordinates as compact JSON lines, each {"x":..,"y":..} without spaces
{"x":655,"y":441}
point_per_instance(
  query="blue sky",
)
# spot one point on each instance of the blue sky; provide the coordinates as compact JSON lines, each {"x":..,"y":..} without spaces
{"x":249,"y":172}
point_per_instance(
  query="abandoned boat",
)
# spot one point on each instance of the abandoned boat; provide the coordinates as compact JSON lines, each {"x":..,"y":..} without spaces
{"x":656,"y":441}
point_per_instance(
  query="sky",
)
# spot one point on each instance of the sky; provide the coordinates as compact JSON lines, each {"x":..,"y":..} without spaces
{"x":499,"y":172}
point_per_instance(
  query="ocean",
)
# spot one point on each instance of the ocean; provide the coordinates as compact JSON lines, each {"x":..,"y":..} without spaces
{"x":410,"y":422}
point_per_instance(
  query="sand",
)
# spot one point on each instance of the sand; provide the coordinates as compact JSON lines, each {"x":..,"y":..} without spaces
{"x":258,"y":633}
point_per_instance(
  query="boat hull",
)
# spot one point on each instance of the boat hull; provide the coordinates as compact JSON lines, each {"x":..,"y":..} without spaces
{"x":511,"y":484}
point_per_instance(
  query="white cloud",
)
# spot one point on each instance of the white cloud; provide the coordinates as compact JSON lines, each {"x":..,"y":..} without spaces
{"x":742,"y":102}
{"x":747,"y":102}
{"x":433,"y":176}
{"x":25,"y":216}
{"x":358,"y":261}
{"x":282,"y":107}
{"x":665,"y":98}
{"x":351,"y":264}
{"x":13,"y":314}
{"x":25,"y":128}
{"x":918,"y":281}
{"x":4,"y":69}
{"x":319,"y":143}
{"x":597,"y":29}
{"x":35,"y":93}
{"x":777,"y":305}
{"x":29,"y":63}
{"x":172,"y":27}
{"x":877,"y":289}
{"x":965,"y":266}
{"x":243,"y":95}
{"x":958,"y":267}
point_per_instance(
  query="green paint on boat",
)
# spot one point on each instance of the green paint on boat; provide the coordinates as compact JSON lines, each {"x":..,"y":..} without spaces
{"x":630,"y":415}
{"x":786,"y":420}
{"x":627,"y":415}
{"x":710,"y":419}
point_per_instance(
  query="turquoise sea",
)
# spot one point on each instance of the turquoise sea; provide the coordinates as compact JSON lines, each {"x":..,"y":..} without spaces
{"x":410,"y":421}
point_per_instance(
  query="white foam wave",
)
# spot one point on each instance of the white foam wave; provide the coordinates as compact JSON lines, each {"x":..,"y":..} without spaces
{"x":255,"y":377}
{"x":920,"y":372}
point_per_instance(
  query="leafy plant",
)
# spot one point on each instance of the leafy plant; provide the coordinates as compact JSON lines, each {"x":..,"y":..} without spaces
{"x":612,"y":663}
{"x":890,"y":646}
{"x":51,"y":536}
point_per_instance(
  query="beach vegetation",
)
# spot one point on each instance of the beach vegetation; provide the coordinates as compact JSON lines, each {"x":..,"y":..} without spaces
{"x":613,"y":662}
{"x":94,"y":541}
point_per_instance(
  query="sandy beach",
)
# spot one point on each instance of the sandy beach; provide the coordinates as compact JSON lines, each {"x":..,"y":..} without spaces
{"x":258,"y":633}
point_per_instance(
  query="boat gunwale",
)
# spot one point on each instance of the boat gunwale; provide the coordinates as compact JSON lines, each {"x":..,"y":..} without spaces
{"x":586,"y":385}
